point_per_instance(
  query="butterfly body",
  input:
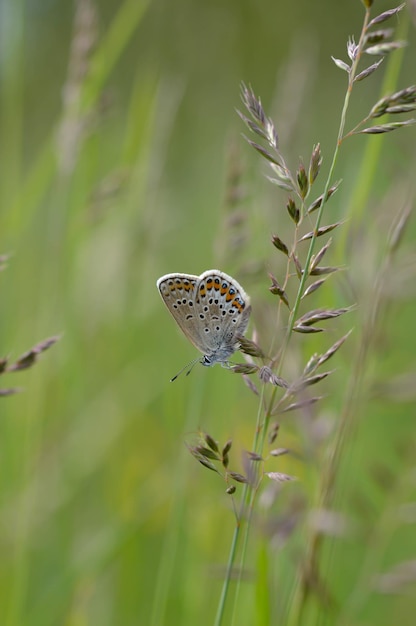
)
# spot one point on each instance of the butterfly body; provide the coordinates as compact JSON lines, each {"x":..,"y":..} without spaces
{"x":212,"y":310}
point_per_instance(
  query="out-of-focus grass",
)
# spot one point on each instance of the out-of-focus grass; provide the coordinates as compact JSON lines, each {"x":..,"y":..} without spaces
{"x":104,"y":517}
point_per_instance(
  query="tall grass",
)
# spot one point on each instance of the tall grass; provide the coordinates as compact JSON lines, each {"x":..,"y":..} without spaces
{"x":121,"y":160}
{"x":312,"y":584}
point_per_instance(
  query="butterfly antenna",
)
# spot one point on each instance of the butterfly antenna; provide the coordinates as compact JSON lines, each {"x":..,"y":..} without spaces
{"x":188,"y":367}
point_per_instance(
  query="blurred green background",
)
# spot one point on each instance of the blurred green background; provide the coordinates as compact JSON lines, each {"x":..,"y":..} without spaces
{"x":118,"y":134}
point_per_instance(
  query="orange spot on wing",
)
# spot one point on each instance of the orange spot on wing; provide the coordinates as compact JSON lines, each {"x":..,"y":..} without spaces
{"x":238,"y":304}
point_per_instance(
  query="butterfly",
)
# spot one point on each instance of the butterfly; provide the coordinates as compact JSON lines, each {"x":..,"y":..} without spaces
{"x":212,"y":310}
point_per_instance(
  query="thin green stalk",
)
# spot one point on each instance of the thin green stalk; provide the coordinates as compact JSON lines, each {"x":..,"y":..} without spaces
{"x":266,"y":130}
{"x":249,"y":494}
{"x":305,"y":274}
{"x":350,"y":413}
{"x":302,"y":589}
{"x":246,"y":503}
{"x":227,"y":580}
{"x":371,"y":155}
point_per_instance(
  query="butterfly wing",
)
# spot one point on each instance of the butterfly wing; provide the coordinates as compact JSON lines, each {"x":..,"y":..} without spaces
{"x":212,"y":310}
{"x":223,"y":308}
{"x":178,"y":293}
